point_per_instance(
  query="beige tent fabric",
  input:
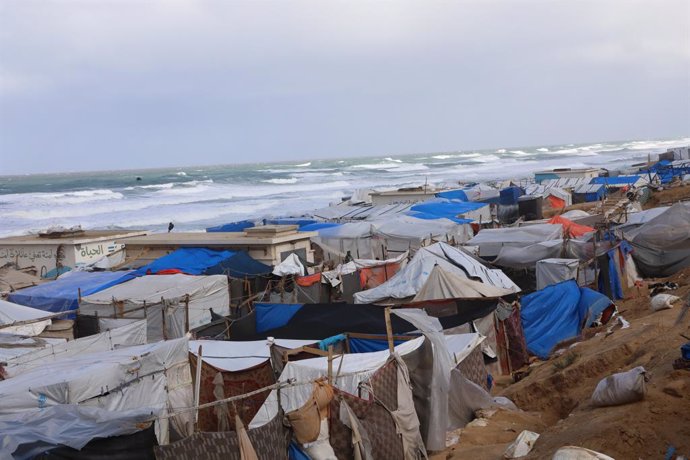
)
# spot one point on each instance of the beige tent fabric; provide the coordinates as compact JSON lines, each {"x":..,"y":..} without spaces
{"x":360,"y":440}
{"x":12,"y":280}
{"x":442,"y":284}
{"x":405,"y":415}
{"x":247,"y":451}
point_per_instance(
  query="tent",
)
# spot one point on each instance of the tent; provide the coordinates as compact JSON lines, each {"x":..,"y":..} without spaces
{"x":13,"y":280}
{"x":442,"y":284}
{"x":553,"y":271}
{"x":63,"y":293}
{"x":232,"y":227}
{"x":588,"y":193}
{"x":637,"y":180}
{"x":570,"y":228}
{"x":202,"y":261}
{"x":409,"y":280}
{"x":457,"y":211}
{"x":154,"y":376}
{"x":11,"y":313}
{"x":492,"y":240}
{"x":186,"y":301}
{"x":661,"y":246}
{"x":557,"y":313}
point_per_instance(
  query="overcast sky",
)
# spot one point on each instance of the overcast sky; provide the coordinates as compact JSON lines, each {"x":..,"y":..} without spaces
{"x":87,"y":85}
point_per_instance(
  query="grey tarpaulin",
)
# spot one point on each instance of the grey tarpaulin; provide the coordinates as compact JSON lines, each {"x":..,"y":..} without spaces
{"x":435,"y":437}
{"x":552,"y":271}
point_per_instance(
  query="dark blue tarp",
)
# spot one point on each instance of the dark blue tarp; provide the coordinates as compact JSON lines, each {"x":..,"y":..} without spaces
{"x":63,"y":293}
{"x":616,"y":181}
{"x":558,"y":312}
{"x":318,"y":226}
{"x":232,"y":227}
{"x":510,"y":195}
{"x":458,"y":195}
{"x":295,"y":452}
{"x":202,"y":261}
{"x":369,"y":345}
{"x":274,"y":315}
{"x":442,"y":208}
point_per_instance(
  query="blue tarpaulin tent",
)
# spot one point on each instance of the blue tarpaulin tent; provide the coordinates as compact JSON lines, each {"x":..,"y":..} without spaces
{"x":588,"y":193}
{"x":318,"y":226}
{"x":618,"y":181}
{"x":458,"y":195}
{"x":274,"y":315}
{"x":63,"y":293}
{"x":558,"y":312}
{"x":300,"y":221}
{"x":442,"y":208}
{"x":202,"y":261}
{"x":232,"y":227}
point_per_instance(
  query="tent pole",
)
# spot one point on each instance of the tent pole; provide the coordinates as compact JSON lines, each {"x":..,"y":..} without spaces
{"x":197,"y":389}
{"x":186,"y":313}
{"x":330,"y":364}
{"x":389,"y":330}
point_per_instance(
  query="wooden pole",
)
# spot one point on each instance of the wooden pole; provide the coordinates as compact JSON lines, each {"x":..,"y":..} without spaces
{"x":186,"y":313}
{"x":330,"y":364}
{"x":165,"y":332}
{"x":389,"y":330}
{"x":197,"y":389}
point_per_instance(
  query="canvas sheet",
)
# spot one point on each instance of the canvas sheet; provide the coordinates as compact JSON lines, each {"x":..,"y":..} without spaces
{"x":11,"y":313}
{"x":26,"y":359}
{"x":233,"y":356}
{"x":552,"y":271}
{"x":491,"y":240}
{"x":448,"y":285}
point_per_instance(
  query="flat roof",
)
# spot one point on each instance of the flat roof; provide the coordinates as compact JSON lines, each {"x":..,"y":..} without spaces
{"x":567,"y":170}
{"x":429,"y":191}
{"x":87,"y":236}
{"x":219,"y":239}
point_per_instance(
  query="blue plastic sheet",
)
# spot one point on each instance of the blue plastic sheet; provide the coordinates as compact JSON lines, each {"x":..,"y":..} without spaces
{"x":556,"y":313}
{"x":459,"y":195}
{"x":618,"y":180}
{"x":442,"y":208}
{"x":274,"y":315}
{"x":300,"y":221}
{"x":370,"y":345}
{"x":295,"y":452}
{"x":318,"y":226}
{"x":63,"y":293}
{"x":232,"y":227}
{"x":328,"y":341}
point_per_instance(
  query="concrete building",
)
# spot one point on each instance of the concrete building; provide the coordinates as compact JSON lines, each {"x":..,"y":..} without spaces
{"x":269,"y":244}
{"x":404,"y":195}
{"x":566,"y":173}
{"x":64,"y":250}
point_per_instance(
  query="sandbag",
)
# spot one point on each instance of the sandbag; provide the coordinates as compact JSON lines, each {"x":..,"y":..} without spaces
{"x":578,"y":453}
{"x":663,"y":301}
{"x":306,"y":421}
{"x":621,"y":388}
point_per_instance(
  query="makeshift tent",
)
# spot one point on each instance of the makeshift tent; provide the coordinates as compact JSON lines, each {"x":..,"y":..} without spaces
{"x":481,"y":192}
{"x":442,"y":284}
{"x":556,"y":197}
{"x":408,"y":281}
{"x":557,"y":313}
{"x":238,"y":368}
{"x":173,"y":304}
{"x":202,"y":261}
{"x":457,"y":211}
{"x":155,"y":376}
{"x":26,"y":354}
{"x":11,"y":313}
{"x":13,"y":280}
{"x":457,"y":195}
{"x":553,"y":271}
{"x":232,"y":227}
{"x":570,"y":228}
{"x":588,"y":193}
{"x":638,"y":180}
{"x":661,"y":246}
{"x":492,"y":240}
{"x":510,"y":195}
{"x":63,"y":293}
{"x":354,"y":238}
{"x":403,"y":233}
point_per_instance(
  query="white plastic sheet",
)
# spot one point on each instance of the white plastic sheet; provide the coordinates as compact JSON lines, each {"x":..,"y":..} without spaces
{"x":11,"y":313}
{"x":236,"y":356}
{"x":491,"y":240}
{"x":290,"y":266}
{"x":552,"y":271}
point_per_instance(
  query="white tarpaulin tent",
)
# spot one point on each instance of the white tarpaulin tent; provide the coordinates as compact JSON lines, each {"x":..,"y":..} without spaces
{"x":186,"y":300}
{"x":402,"y":233}
{"x":156,"y":376}
{"x":236,"y":356}
{"x":408,"y":281}
{"x":552,"y":271}
{"x":491,"y":240}
{"x":11,"y":313}
{"x":28,"y":353}
{"x":442,"y":284}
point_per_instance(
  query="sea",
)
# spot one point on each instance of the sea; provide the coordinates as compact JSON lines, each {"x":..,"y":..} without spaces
{"x":196,"y":197}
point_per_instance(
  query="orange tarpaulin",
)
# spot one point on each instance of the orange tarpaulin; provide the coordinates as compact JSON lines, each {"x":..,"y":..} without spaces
{"x":306,"y":281}
{"x":555,"y":202}
{"x":572,"y":229}
{"x":374,"y":276}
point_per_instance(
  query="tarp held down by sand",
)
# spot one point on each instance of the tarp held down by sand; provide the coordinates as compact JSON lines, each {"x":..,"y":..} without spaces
{"x":557,"y":313}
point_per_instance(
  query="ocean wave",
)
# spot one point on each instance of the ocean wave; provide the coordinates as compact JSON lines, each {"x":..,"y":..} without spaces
{"x":393,"y":160}
{"x":542,"y":149}
{"x":408,"y":167}
{"x":501,"y":151}
{"x":443,"y":157}
{"x":181,"y":173}
{"x":304,"y":165}
{"x":291,"y":180}
{"x":78,"y":197}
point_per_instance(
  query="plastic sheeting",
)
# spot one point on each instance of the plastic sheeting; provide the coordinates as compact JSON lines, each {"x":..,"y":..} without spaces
{"x":447,"y":285}
{"x":553,"y":271}
{"x":570,"y":228}
{"x":202,"y":261}
{"x":274,"y":315}
{"x":408,"y":281}
{"x":232,"y":227}
{"x":492,"y":240}
{"x":167,"y":292}
{"x":558,"y":312}
{"x":11,"y":313}
{"x":29,"y":434}
{"x":40,"y":353}
{"x":290,"y":266}
{"x":155,"y":376}
{"x":236,"y":356}
{"x":662,"y":245}
{"x":63,"y":293}
{"x":457,"y":211}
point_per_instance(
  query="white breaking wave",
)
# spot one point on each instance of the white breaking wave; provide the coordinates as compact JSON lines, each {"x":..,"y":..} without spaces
{"x":304,"y":165}
{"x":393,"y":159}
{"x":181,"y":173}
{"x":543,"y":149}
{"x":292,"y":180}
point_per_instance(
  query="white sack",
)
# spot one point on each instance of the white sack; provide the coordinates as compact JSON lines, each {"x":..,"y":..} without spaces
{"x":663,"y":301}
{"x":621,"y":388}
{"x":522,"y":445}
{"x":578,"y":453}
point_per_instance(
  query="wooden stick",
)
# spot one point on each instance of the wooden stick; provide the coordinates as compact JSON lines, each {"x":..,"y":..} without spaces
{"x":389,"y":330}
{"x":330,"y":364}
{"x":197,"y":389}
